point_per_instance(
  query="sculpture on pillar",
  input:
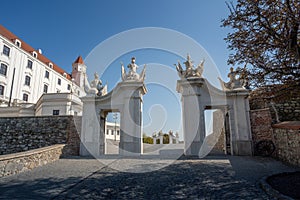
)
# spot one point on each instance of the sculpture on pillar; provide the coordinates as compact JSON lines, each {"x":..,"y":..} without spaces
{"x":132,"y":75}
{"x":95,"y":88}
{"x":191,"y":71}
{"x":237,"y":79}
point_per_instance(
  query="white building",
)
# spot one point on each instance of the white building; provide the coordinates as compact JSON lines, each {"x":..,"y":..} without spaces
{"x":112,"y":131}
{"x":29,"y":80}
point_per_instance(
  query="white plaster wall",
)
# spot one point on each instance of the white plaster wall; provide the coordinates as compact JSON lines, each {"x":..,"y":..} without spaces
{"x":18,"y":58}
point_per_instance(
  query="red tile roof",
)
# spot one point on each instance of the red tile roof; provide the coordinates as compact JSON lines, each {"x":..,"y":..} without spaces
{"x":26,"y":47}
{"x":79,"y":60}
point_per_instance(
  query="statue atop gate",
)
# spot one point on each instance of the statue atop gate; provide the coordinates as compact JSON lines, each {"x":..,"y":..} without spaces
{"x":237,"y":80}
{"x":95,"y":88}
{"x":132,"y":75}
{"x":191,"y":71}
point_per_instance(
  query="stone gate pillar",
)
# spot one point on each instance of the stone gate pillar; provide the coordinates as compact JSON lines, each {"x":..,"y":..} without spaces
{"x":92,"y":143}
{"x":192,"y":115}
{"x":131,"y":140}
{"x":239,"y":122}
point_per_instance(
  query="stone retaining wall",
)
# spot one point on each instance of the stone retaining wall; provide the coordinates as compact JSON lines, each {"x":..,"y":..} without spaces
{"x":19,"y":162}
{"x":282,"y":100}
{"x":18,"y":134}
{"x":285,"y":135}
{"x":287,"y":142}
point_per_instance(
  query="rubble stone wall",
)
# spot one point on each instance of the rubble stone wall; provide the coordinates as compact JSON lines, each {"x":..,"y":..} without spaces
{"x":287,"y":142}
{"x":18,"y":134}
{"x":19,"y":162}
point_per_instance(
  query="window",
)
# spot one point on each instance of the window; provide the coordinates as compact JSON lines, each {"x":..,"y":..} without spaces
{"x":46,"y":74}
{"x":1,"y":90}
{"x":59,"y":81}
{"x":3,"y":69}
{"x":29,"y":64}
{"x":51,"y":65}
{"x":27,"y":80}
{"x":118,"y":132}
{"x":6,"y":50}
{"x":18,"y":44}
{"x":107,"y":132}
{"x":34,"y":54}
{"x":45,"y":88}
{"x":112,"y":132}
{"x":55,"y":112}
{"x":25,"y":97}
{"x":69,"y":87}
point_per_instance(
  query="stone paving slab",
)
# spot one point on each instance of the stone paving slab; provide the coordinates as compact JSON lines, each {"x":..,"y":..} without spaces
{"x":49,"y":180}
{"x":215,"y":177}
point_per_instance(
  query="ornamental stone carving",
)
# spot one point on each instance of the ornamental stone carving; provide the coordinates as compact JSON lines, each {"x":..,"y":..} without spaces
{"x":237,"y":80}
{"x":190,"y":71}
{"x":132,"y":75}
{"x":95,"y":88}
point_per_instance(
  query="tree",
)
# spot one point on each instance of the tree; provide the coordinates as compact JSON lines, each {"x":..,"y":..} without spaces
{"x":166,"y":138}
{"x":147,"y":139}
{"x":266,"y":36}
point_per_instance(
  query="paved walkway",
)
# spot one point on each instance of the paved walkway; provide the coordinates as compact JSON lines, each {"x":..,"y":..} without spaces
{"x":215,"y":177}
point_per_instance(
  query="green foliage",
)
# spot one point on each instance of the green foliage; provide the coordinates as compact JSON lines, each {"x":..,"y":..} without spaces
{"x":147,"y":139}
{"x":266,"y":36}
{"x":165,"y":139}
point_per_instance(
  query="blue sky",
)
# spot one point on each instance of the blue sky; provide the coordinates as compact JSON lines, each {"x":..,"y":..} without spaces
{"x":64,"y":29}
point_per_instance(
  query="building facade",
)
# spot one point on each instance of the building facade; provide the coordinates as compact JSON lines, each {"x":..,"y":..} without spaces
{"x":112,"y":131}
{"x":26,"y":74}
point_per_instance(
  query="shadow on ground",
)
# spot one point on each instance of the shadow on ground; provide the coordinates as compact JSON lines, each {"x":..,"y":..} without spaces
{"x":186,"y":178}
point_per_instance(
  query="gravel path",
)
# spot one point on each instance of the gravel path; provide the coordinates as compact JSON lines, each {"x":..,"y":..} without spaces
{"x":215,"y":177}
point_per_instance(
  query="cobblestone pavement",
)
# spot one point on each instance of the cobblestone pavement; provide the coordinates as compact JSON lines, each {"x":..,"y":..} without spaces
{"x":215,"y":177}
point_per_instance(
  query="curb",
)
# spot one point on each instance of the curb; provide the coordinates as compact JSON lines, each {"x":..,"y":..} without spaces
{"x":272,"y":192}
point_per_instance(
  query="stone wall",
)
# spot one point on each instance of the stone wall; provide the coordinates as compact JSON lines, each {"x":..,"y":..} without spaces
{"x":285,"y":135}
{"x":19,"y":134}
{"x":282,"y":100}
{"x":219,"y":130}
{"x":19,"y":162}
{"x":287,"y":142}
{"x":288,"y":110}
{"x":261,"y":125}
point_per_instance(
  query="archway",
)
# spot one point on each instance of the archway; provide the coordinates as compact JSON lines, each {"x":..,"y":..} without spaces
{"x":197,"y":94}
{"x":127,"y":99}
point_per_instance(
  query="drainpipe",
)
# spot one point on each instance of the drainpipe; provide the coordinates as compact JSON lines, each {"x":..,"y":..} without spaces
{"x":12,"y":87}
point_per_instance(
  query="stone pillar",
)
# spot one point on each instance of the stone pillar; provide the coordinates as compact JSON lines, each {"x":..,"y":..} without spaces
{"x":161,"y":139}
{"x":170,"y":139}
{"x":91,"y":142}
{"x":102,"y":142}
{"x":154,"y":140}
{"x":239,"y":120}
{"x":193,"y":115}
{"x":131,"y":140}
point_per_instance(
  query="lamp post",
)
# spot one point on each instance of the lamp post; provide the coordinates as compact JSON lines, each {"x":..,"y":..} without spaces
{"x":115,"y":117}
